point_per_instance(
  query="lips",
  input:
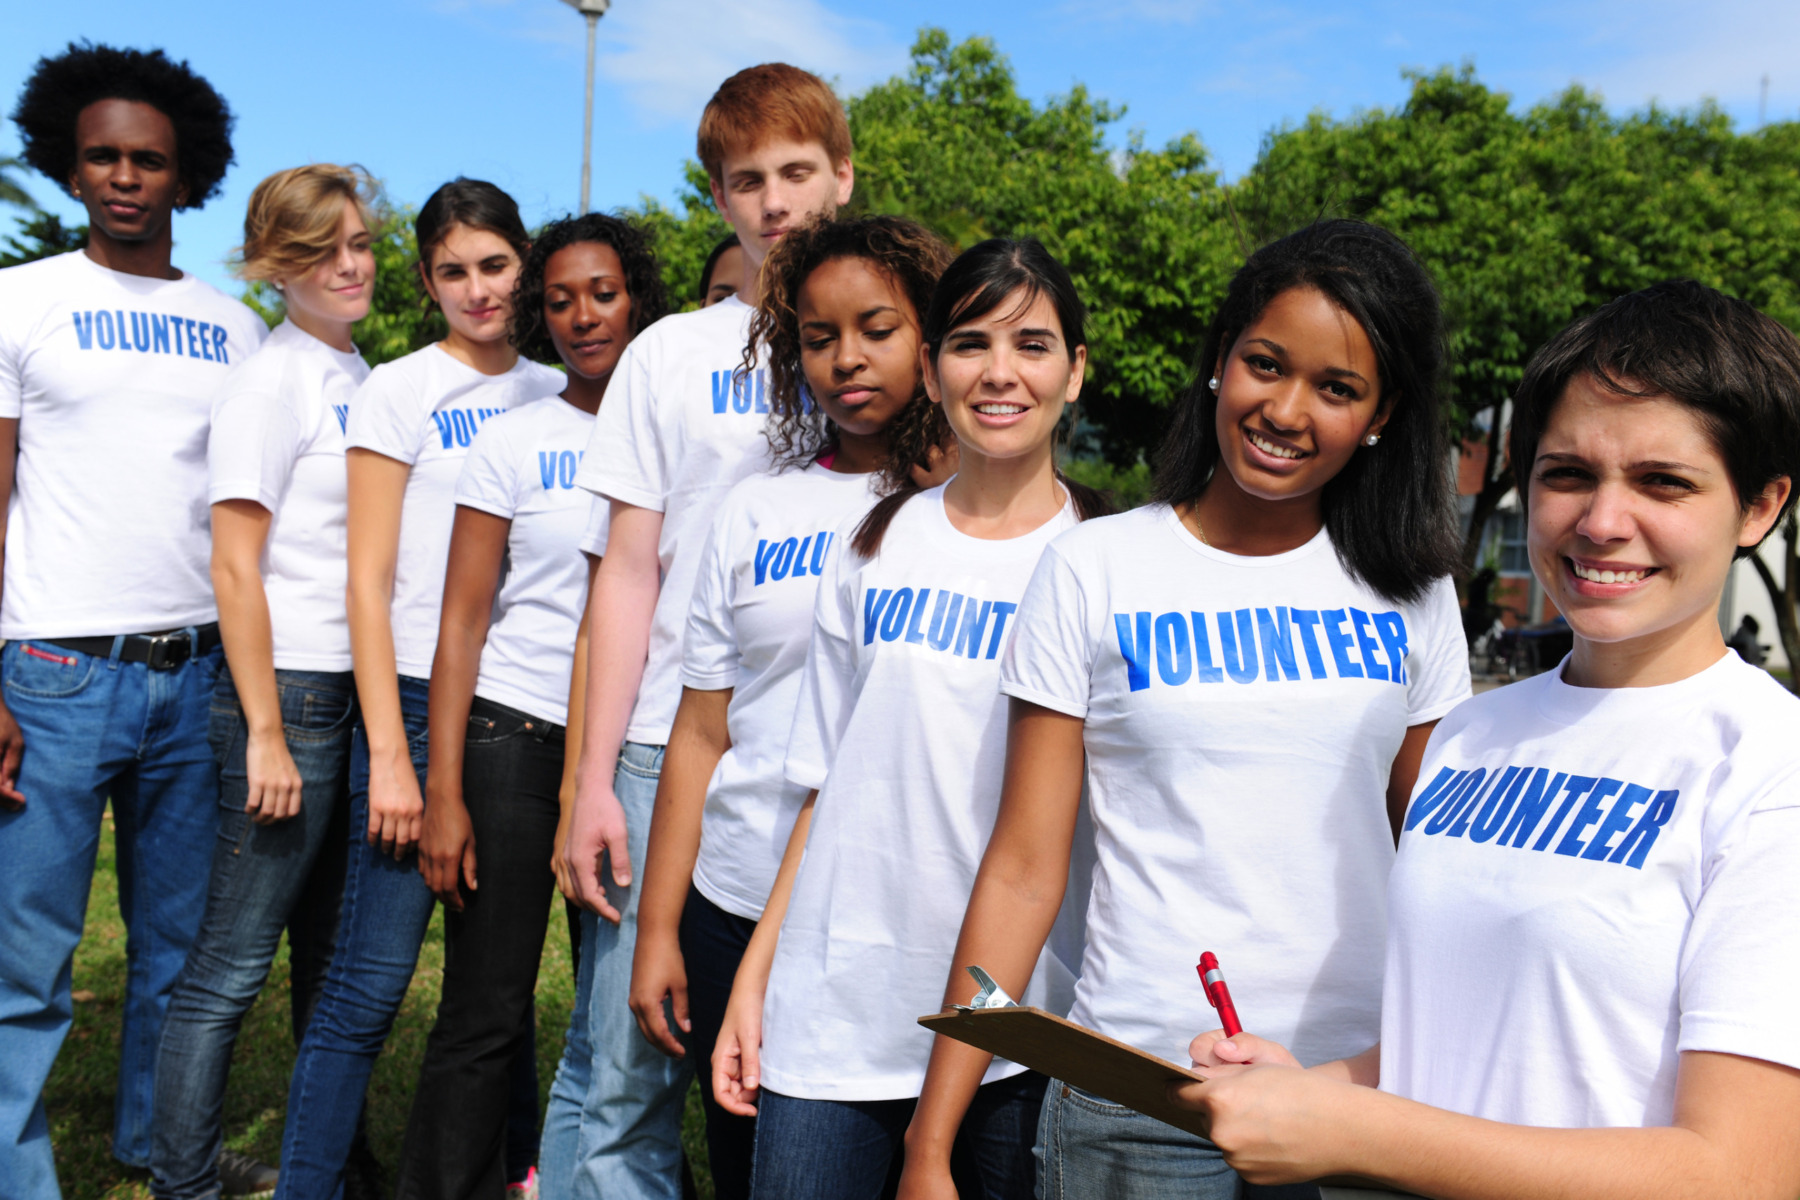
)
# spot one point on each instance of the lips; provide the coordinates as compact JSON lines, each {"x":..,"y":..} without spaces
{"x":1603,"y":574}
{"x":854,"y":397}
{"x":1273,"y":447}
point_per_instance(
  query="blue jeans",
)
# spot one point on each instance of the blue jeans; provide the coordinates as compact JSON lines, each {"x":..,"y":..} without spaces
{"x":260,"y":875}
{"x":613,"y":1127}
{"x":96,"y":727}
{"x":852,"y":1149}
{"x":385,"y":910}
{"x":1092,"y":1147}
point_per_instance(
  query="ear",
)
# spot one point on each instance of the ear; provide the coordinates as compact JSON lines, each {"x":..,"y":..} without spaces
{"x":430,"y":288}
{"x":929,"y":376}
{"x":1760,"y":517}
{"x":1077,"y":376}
{"x":1383,"y":411}
{"x":717,"y":188}
{"x":846,"y":182}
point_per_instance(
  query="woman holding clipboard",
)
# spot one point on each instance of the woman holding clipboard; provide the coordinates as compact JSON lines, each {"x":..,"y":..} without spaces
{"x":1592,"y":946}
{"x":1248,"y":668}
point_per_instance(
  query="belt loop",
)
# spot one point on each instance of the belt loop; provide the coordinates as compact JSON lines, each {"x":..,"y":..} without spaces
{"x":112,"y":660}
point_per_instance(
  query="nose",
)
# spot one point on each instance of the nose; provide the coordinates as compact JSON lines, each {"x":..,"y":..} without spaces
{"x":585,"y":314}
{"x":124,"y":174}
{"x":847,"y":357}
{"x":775,"y":199}
{"x":1608,"y":516}
{"x":1000,"y":370}
{"x":1284,"y":407}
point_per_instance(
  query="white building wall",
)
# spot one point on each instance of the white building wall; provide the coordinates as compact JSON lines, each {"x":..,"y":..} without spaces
{"x":1745,"y":593}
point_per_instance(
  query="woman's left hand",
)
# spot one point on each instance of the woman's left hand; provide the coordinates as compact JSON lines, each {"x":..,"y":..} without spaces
{"x":447,"y":850}
{"x":1276,"y":1123}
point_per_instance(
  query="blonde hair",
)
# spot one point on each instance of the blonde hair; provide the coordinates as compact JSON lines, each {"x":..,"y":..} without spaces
{"x":292,"y":223}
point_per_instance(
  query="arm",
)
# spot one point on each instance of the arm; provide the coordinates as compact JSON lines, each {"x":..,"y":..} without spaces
{"x":697,"y":742}
{"x":1405,"y":773}
{"x":623,"y":602}
{"x":1736,"y":1133}
{"x":239,"y":530}
{"x":736,"y":1073}
{"x":377,"y":485}
{"x":1017,"y":894}
{"x":565,"y":792}
{"x":12,"y":741}
{"x":446,"y":840}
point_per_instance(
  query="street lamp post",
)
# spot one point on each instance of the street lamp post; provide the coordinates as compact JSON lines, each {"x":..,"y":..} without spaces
{"x":593,"y":10}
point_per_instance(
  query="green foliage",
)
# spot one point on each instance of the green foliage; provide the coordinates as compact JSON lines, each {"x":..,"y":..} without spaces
{"x":683,"y":240}
{"x":40,"y":235}
{"x":11,"y":190}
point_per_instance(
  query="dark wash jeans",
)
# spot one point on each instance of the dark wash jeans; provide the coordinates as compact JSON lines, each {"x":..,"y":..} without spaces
{"x":264,"y":878}
{"x":851,"y":1149}
{"x":456,"y":1136}
{"x":713,"y":942}
{"x":97,"y":728}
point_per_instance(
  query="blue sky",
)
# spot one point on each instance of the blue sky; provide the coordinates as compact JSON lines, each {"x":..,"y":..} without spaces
{"x":421,"y":90}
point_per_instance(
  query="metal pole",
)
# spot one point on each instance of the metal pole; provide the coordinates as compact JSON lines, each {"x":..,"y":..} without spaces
{"x":587,"y":124}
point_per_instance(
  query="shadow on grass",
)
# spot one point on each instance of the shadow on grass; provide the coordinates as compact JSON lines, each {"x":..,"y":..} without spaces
{"x":80,"y":1092}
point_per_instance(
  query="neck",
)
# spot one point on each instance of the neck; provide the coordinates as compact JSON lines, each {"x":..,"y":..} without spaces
{"x":859,"y":453}
{"x":999,"y":498}
{"x":490,"y":358}
{"x":586,"y":394}
{"x":335,"y":334}
{"x":1231,"y":519}
{"x":149,"y":258}
{"x":1666,"y":656}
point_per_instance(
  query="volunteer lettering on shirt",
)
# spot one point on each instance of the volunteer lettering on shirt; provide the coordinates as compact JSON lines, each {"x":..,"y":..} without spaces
{"x":112,"y":379}
{"x":748,"y":627}
{"x":1590,"y":882}
{"x":1241,"y":717}
{"x":679,"y":427}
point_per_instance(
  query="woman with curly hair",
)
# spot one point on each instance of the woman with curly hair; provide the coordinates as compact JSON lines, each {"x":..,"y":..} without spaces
{"x":849,"y":418}
{"x":500,"y":689}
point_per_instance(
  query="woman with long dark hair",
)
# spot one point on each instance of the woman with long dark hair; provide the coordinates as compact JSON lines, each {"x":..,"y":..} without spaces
{"x":1243,"y":674}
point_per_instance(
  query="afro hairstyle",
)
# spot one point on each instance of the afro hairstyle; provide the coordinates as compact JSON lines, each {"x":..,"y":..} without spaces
{"x":61,"y":87}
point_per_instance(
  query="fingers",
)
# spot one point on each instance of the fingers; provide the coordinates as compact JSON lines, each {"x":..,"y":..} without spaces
{"x":678,"y":1001}
{"x":14,"y":753}
{"x":1190,"y":1096}
{"x":468,"y":864}
{"x":613,"y":842}
{"x":655,"y":1027}
{"x":729,"y":1081}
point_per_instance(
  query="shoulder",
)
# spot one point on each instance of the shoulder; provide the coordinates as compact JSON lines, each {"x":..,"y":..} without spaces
{"x":721,"y":327}
{"x":403,"y":377}
{"x":228,"y":310}
{"x":1100,"y":539}
{"x":30,"y":289}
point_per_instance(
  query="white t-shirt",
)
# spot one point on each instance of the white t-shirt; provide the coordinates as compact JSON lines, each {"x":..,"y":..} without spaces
{"x":278,"y":439}
{"x":748,"y":629}
{"x":522,"y":468}
{"x":424,"y":410}
{"x":676,"y":431}
{"x":1592,"y":881}
{"x":902,"y":727}
{"x":111,"y":377}
{"x":1242,"y":716}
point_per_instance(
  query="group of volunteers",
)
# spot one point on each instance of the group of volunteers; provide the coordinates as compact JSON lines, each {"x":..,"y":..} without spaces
{"x":771,"y":635}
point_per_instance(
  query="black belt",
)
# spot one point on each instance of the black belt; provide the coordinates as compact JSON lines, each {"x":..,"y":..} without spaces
{"x":160,"y":651}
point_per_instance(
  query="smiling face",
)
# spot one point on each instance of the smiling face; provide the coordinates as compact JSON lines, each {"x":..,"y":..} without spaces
{"x":471,"y":276}
{"x":1633,"y":524}
{"x":337,"y":291}
{"x":125,"y":170}
{"x":859,"y":350}
{"x":1005,"y":377}
{"x":777,"y":186}
{"x":1298,"y":391}
{"x":587,"y":307}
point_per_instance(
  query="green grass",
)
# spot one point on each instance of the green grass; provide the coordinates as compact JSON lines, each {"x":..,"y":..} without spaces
{"x":80,"y":1092}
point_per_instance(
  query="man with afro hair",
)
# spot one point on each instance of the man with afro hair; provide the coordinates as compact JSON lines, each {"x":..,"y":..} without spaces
{"x":109,"y":357}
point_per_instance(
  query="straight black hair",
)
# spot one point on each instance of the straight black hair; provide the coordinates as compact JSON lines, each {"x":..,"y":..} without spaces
{"x":980,"y":280}
{"x":1391,"y":512}
{"x":1737,"y":370}
{"x":475,"y":203}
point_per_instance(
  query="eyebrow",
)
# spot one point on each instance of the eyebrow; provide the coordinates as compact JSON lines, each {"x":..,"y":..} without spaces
{"x":1648,"y":464}
{"x":1335,"y":372}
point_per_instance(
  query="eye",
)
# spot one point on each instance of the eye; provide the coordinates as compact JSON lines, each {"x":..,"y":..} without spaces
{"x":1338,"y":389}
{"x":1662,"y":481}
{"x":1564,"y":476}
{"x":606,"y":297}
{"x":555,"y":306}
{"x":818,"y":343}
{"x":879,"y":335}
{"x":1262,"y":364}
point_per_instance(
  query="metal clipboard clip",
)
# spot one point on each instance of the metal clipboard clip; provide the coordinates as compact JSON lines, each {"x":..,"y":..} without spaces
{"x":990,"y":996}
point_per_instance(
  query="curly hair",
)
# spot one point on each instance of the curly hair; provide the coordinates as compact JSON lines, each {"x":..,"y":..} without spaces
{"x":798,"y":431}
{"x":61,"y":87}
{"x":530,"y":333}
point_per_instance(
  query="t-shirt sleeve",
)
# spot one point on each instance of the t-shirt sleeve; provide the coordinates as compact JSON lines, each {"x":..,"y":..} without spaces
{"x":599,"y":526}
{"x":1740,"y":966}
{"x":386,"y":415}
{"x":255,"y":439}
{"x":12,"y":359}
{"x":626,"y":458}
{"x":828,"y":681}
{"x":1437,"y":664}
{"x":709,"y":649}
{"x":489,"y":481}
{"x":1050,"y":659}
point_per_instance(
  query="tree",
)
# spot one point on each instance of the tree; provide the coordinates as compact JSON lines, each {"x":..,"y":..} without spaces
{"x":40,"y":236}
{"x":11,"y":190}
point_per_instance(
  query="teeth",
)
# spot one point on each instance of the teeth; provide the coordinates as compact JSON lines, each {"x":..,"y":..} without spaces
{"x":1268,"y":447}
{"x":1000,"y":410}
{"x":1595,"y":575}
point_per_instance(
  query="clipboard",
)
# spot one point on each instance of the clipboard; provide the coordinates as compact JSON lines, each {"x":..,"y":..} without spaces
{"x":1053,"y":1046}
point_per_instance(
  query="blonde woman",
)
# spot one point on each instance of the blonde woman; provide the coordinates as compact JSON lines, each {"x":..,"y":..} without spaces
{"x":283,"y":710}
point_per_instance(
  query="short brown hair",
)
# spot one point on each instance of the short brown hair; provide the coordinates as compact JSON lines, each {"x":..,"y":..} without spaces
{"x":767,"y":101}
{"x":291,"y":225}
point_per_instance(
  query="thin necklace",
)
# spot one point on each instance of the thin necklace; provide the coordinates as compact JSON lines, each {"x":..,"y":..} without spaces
{"x":1199,"y":528}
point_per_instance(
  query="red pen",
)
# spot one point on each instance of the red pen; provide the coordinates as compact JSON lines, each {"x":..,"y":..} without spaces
{"x":1217,"y":994}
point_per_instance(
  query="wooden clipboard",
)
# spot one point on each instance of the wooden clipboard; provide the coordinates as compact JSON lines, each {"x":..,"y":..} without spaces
{"x":1059,"y":1048}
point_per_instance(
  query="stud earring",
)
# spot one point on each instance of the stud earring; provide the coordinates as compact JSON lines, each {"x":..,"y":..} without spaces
{"x":1213,"y":383}
{"x":1371,"y":439}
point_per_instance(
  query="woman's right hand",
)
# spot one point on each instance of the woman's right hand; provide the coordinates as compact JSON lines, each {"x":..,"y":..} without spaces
{"x":447,"y":850}
{"x":396,"y":808}
{"x":737,"y":1056}
{"x":12,"y":751}
{"x":658,"y":971}
{"x":1215,"y":1053}
{"x":926,"y":1179}
{"x":274,"y":780}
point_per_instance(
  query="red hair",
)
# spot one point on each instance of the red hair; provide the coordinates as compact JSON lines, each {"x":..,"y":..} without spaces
{"x":769,"y":101}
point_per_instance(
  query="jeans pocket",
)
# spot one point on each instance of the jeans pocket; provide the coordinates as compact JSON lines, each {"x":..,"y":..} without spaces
{"x":488,"y":728}
{"x":315,"y":714}
{"x":47,"y":671}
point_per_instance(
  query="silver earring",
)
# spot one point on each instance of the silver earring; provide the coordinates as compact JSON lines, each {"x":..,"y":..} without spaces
{"x":1371,"y":439}
{"x":1213,"y":383}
